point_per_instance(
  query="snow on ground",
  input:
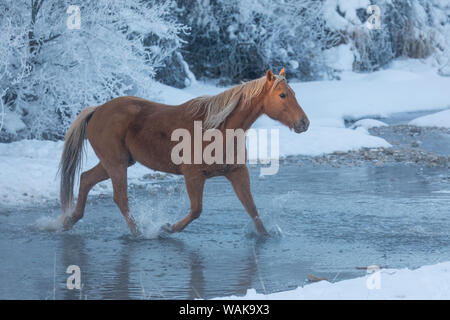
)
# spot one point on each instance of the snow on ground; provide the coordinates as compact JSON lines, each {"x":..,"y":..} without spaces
{"x":368,"y":123}
{"x":428,"y":282}
{"x":438,"y":119}
{"x":28,"y":172}
{"x":28,"y":168}
{"x":171,"y":95}
{"x":407,"y":86}
{"x":320,"y":139}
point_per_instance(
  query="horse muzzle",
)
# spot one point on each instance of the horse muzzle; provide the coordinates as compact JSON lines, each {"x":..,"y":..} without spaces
{"x":302,"y":125}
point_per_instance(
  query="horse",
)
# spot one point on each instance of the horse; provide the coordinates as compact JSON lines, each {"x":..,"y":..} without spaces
{"x":128,"y":129}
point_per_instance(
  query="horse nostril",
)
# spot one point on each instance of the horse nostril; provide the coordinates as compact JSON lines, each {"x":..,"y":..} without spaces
{"x":302,"y":125}
{"x":303,"y":122}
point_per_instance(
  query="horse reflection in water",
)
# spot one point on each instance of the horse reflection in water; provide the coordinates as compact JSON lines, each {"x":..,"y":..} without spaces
{"x":136,"y":271}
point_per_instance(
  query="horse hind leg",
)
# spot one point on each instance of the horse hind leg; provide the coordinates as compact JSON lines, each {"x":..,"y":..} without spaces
{"x":118,"y":176}
{"x":88,"y":180}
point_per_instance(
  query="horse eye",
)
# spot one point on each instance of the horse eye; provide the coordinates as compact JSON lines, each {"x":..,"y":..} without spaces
{"x":282,"y":95}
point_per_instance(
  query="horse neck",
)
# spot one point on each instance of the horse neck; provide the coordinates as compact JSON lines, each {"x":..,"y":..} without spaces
{"x":244,"y":117}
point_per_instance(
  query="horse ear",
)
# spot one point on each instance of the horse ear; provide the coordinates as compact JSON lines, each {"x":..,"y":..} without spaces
{"x":282,"y":73}
{"x":269,"y":76}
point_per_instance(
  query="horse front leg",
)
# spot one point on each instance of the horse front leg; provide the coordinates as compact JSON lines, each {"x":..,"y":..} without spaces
{"x":194,"y":186}
{"x":240,"y":180}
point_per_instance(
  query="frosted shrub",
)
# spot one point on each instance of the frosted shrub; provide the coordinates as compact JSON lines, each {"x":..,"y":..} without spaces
{"x":50,"y":72}
{"x":237,"y":40}
{"x":411,"y":29}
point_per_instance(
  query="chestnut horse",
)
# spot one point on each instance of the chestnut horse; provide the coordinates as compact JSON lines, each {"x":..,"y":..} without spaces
{"x":129,"y":129}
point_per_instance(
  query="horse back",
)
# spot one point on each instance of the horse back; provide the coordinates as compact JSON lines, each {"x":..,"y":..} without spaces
{"x":127,"y":127}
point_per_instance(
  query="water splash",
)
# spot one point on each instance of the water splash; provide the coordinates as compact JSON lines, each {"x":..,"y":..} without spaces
{"x":49,"y":223}
{"x":154,"y":214}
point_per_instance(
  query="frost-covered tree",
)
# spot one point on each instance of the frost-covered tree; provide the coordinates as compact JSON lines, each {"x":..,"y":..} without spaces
{"x":49,"y":70}
{"x":409,"y":28}
{"x":236,"y":40}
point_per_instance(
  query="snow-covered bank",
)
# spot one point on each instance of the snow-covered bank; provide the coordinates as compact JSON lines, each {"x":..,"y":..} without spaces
{"x":319,"y":140}
{"x":438,"y":119}
{"x":427,"y":282}
{"x":408,"y":86}
{"x":28,"y":172}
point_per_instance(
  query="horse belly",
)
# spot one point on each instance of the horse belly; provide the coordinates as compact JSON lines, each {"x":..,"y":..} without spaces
{"x":152,"y":149}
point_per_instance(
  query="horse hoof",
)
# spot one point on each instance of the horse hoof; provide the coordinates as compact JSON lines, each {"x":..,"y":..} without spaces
{"x":263,"y":233}
{"x":134,"y":230}
{"x":135,"y":233}
{"x":68,"y":223}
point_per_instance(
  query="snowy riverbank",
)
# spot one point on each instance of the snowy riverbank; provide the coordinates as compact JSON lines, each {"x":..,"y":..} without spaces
{"x":427,"y":282}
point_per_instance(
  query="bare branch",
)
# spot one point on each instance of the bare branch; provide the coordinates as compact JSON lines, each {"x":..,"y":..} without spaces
{"x":51,"y":38}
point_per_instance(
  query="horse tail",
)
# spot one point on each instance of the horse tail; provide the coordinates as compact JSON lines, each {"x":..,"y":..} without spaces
{"x":70,"y":163}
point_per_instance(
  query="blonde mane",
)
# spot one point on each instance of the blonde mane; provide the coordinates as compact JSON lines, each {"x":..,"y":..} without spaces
{"x":216,"y":109}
